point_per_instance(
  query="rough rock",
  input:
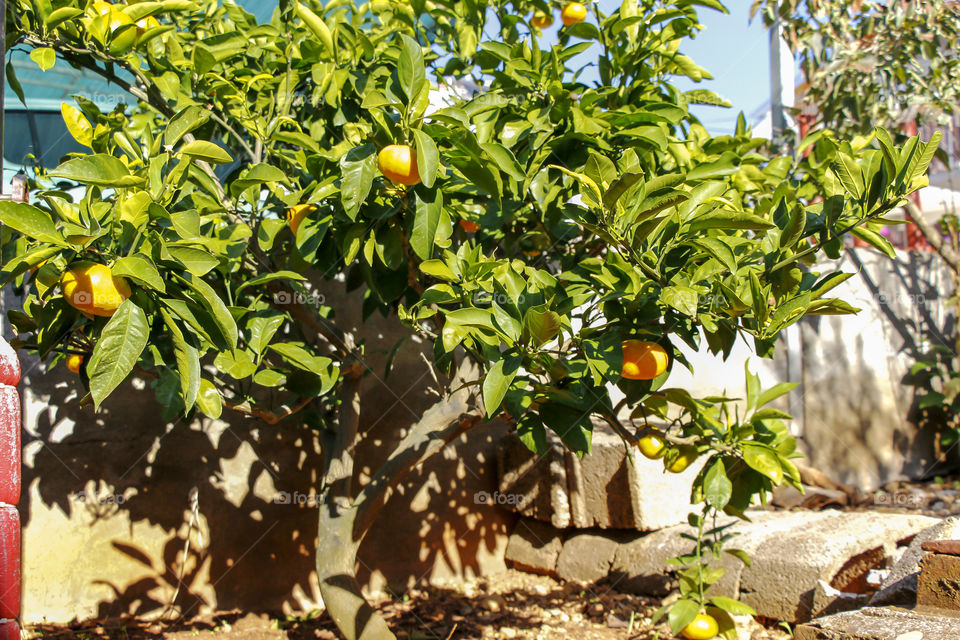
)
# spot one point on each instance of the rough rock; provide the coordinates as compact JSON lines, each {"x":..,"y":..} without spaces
{"x":799,"y":572}
{"x":873,"y":623}
{"x":534,"y":546}
{"x":939,"y":583}
{"x":603,"y":489}
{"x":802,"y":563}
{"x":900,"y":585}
{"x":586,"y":557}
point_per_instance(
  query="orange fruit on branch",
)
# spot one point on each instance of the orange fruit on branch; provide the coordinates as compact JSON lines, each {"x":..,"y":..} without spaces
{"x":643,"y":360}
{"x":687,"y":454}
{"x":703,"y":627}
{"x":542,"y":20}
{"x":573,"y":13}
{"x":297,"y":213}
{"x":93,"y":289}
{"x":469,"y":227}
{"x":398,"y":162}
{"x":74,"y":362}
{"x":652,"y":445}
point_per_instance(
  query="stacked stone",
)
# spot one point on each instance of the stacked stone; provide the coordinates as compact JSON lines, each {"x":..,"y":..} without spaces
{"x":9,"y":493}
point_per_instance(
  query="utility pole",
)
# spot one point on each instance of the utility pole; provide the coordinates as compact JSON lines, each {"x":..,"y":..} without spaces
{"x":782,"y":80}
{"x":782,"y":99}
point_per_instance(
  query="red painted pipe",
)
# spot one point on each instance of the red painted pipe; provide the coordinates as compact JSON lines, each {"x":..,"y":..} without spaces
{"x":9,"y":445}
{"x":9,"y":562}
{"x":9,"y":493}
{"x":9,"y":630}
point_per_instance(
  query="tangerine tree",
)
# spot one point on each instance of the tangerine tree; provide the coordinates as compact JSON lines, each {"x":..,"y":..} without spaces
{"x":555,"y":234}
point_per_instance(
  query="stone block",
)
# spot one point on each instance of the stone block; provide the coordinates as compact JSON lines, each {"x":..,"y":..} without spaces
{"x":801,"y":571}
{"x":586,"y":557}
{"x":603,"y":489}
{"x":939,"y":583}
{"x":900,"y":585}
{"x":874,"y":623}
{"x":802,"y":562}
{"x":534,"y":546}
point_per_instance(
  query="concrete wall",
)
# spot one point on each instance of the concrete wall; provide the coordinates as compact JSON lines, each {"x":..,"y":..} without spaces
{"x":855,"y":417}
{"x":114,"y":501}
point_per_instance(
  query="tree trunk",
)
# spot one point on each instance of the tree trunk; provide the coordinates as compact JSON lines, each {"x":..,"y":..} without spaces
{"x":343,"y":522}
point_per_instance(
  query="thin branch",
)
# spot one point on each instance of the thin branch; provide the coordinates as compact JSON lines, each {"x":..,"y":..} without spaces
{"x":270,"y":417}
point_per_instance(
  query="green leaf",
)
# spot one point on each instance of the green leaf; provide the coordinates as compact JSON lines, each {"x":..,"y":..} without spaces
{"x":358,"y":166}
{"x":121,"y":342}
{"x":188,"y":363}
{"x":740,"y":554}
{"x":753,"y":385}
{"x":542,"y":325}
{"x":850,"y":175}
{"x":269,"y":378}
{"x":571,"y":424}
{"x":206,"y":151}
{"x":56,"y":17}
{"x":262,"y":330}
{"x":99,"y":169}
{"x":775,"y":392}
{"x":730,"y":605}
{"x":44,"y":57}
{"x":876,"y":240}
{"x":237,"y":364}
{"x":221,"y":315}
{"x":184,"y":122}
{"x":316,"y":25}
{"x":208,"y":400}
{"x":140,"y":268}
{"x":31,"y":222}
{"x":428,"y":158}
{"x":410,"y":69}
{"x":619,"y":187}
{"x":763,"y":459}
{"x":932,"y":399}
{"x":717,"y":487}
{"x":682,"y":613}
{"x":427,"y":217}
{"x":498,"y":379}
{"x":438,"y":269}
{"x":683,"y":299}
{"x":269,"y":277}
{"x":14,"y":82}
{"x":196,"y":261}
{"x":77,"y":124}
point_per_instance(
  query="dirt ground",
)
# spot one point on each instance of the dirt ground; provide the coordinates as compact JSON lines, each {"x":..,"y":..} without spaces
{"x":512,"y":605}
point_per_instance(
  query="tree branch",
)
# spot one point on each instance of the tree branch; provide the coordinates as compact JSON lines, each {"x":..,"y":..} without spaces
{"x":932,"y":236}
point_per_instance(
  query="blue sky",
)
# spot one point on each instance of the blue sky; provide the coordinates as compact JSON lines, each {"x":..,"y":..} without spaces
{"x":731,"y":48}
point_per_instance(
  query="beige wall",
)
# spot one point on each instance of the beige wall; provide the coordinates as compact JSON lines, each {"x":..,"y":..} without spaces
{"x":120,"y":550}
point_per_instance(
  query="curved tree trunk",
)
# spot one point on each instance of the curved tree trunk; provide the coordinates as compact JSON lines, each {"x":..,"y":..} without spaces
{"x":343,"y":522}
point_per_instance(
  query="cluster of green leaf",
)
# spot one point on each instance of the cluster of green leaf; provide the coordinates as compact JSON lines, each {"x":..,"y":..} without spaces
{"x":605,"y":211}
{"x":748,"y":457}
{"x":871,"y":63}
